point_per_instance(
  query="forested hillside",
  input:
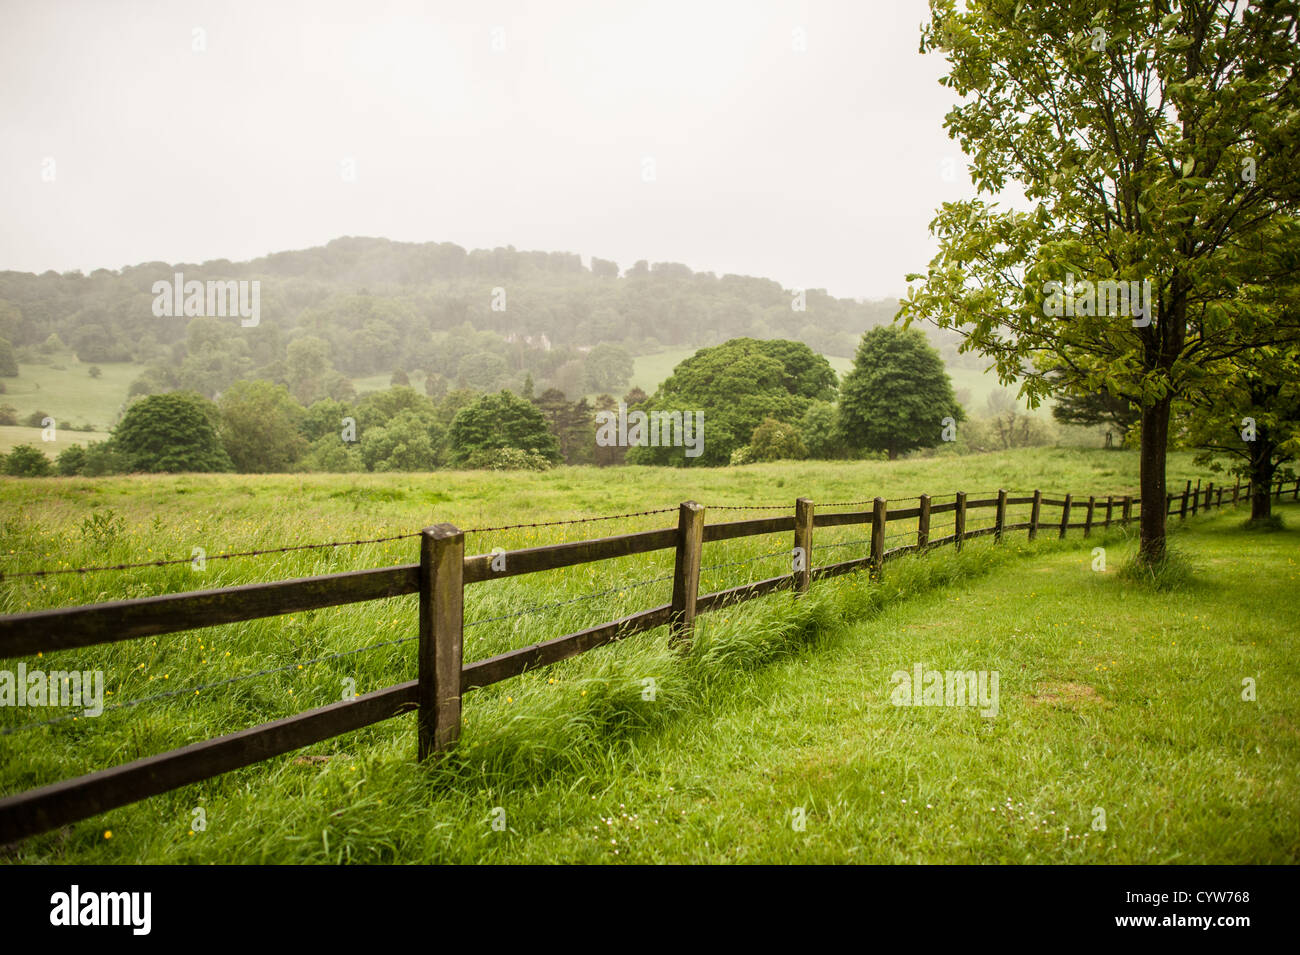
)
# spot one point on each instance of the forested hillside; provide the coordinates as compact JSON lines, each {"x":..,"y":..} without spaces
{"x":359,"y":307}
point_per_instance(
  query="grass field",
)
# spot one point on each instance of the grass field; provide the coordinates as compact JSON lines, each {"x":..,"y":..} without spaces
{"x":1111,"y":696}
{"x":13,"y":435}
{"x":69,"y":394}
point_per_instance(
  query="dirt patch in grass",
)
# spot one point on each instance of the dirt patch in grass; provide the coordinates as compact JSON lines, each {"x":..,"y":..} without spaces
{"x":1070,"y":695}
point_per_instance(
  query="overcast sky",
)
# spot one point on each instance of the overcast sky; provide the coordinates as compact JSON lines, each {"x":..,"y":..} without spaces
{"x":819,"y":167}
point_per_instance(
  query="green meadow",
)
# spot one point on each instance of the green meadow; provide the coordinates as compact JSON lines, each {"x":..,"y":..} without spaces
{"x":773,"y":738}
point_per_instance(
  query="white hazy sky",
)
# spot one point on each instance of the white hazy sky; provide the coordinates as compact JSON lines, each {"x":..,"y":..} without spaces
{"x":819,"y":168}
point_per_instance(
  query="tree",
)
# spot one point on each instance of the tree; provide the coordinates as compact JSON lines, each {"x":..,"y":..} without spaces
{"x":403,"y":443}
{"x":27,"y":461}
{"x":606,"y":455}
{"x":172,"y":432}
{"x":308,"y":367}
{"x":325,"y":418}
{"x":260,"y":427}
{"x":71,"y":460}
{"x":399,"y":377}
{"x":482,"y":371}
{"x":820,"y":431}
{"x":435,"y":385}
{"x":8,"y":363}
{"x":95,"y":371}
{"x":1156,"y":150}
{"x":502,"y":420}
{"x":104,"y":457}
{"x":736,"y":385}
{"x":604,"y":268}
{"x":775,"y":441}
{"x":1097,"y":408}
{"x":896,"y":396}
{"x":1251,"y":413}
{"x":608,"y":367}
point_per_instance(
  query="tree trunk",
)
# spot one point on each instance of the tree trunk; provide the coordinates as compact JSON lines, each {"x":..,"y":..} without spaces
{"x":1261,"y":476}
{"x":1155,"y":439}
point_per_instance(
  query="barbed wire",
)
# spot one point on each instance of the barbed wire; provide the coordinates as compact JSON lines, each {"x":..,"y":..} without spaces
{"x":189,"y":560}
{"x":750,"y":560}
{"x":576,"y":520}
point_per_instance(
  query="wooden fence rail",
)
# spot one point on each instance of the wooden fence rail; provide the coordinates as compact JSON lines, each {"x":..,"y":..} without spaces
{"x":440,"y":579}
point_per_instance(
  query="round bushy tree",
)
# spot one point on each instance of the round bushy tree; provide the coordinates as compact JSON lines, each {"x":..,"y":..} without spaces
{"x":172,"y":432}
{"x":897,"y":394}
{"x":71,"y":460}
{"x":502,"y":420}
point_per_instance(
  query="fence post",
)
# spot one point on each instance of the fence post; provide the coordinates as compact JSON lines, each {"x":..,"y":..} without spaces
{"x":1182,"y":513}
{"x":1087,"y":521}
{"x":803,"y":532}
{"x":686,"y":570}
{"x":1209,"y":494}
{"x":1196,"y":498}
{"x":959,"y":519}
{"x":923,"y":523}
{"x":1110,"y":504}
{"x":1034,"y":513}
{"x":1000,"y":521}
{"x":1279,"y":489}
{"x":877,"y":536}
{"x":1127,"y":513}
{"x":1236,"y":491}
{"x":1218,"y":501}
{"x":1065,"y":514}
{"x":442,"y":624}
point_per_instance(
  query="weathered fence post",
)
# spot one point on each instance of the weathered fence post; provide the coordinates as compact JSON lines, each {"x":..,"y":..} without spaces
{"x":1279,"y":489}
{"x":1196,"y":498}
{"x":686,"y":570}
{"x":1127,"y":513}
{"x":1209,"y":495}
{"x":442,"y":627}
{"x":1295,"y":495}
{"x":1034,"y":513}
{"x":1182,"y":512}
{"x":959,"y":519}
{"x":1065,"y":515}
{"x":803,"y":532}
{"x":1218,"y":501}
{"x":1087,"y":521}
{"x":923,"y":523}
{"x":1000,"y":520}
{"x":1110,"y":505}
{"x":877,"y":536}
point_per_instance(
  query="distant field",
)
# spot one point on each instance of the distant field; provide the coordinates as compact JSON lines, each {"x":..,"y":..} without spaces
{"x":69,"y":394}
{"x":13,"y":435}
{"x":649,"y":370}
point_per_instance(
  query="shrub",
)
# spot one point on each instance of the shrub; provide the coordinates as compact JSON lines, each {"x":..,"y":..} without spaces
{"x":27,"y":461}
{"x":507,"y":459}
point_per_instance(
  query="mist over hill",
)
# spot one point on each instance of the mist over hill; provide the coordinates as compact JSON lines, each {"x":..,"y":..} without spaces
{"x":484,"y":318}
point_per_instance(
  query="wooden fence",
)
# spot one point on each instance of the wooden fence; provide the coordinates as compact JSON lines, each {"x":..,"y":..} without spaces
{"x":440,"y":578}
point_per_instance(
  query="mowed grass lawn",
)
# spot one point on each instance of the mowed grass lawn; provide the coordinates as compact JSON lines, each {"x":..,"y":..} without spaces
{"x":1111,"y":696}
